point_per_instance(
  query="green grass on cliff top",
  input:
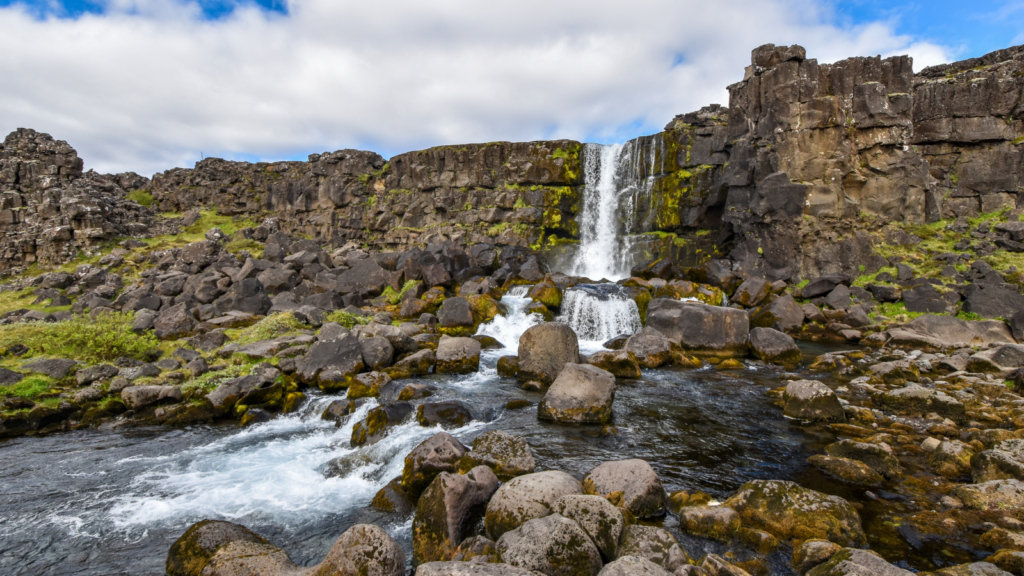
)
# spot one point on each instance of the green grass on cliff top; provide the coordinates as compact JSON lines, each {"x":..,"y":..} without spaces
{"x":101,"y":339}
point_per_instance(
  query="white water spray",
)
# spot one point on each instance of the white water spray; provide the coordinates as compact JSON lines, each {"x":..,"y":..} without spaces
{"x":599,"y":251}
{"x":508,"y":328}
{"x":599,"y":312}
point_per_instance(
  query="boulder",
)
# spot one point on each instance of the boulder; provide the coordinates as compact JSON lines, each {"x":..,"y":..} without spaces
{"x":824,"y":284}
{"x":973,"y":568}
{"x":925,"y":298}
{"x":701,"y":329}
{"x":602,"y":522}
{"x":781,"y":313}
{"x":508,"y":366}
{"x":56,"y":368}
{"x":810,"y":400}
{"x":458,"y":355}
{"x":377,"y":352}
{"x":175,"y":322}
{"x":552,"y":545}
{"x":930,"y":330}
{"x":527,"y":497}
{"x":331,"y":364}
{"x":878,"y":458}
{"x":774,"y":347}
{"x":654,"y":545}
{"x":812,"y":552}
{"x":456,"y":316}
{"x":544,"y":350}
{"x":633,"y":566}
{"x":245,"y":296}
{"x":630,"y":484}
{"x":363,"y":549}
{"x":375,"y":427}
{"x":507,"y":455}
{"x":1003,"y":462}
{"x":439,"y":453}
{"x":447,"y":414}
{"x":952,"y":459}
{"x":448,"y":511}
{"x":791,"y":512}
{"x":192,"y":550}
{"x":471,"y":569}
{"x":98,"y":373}
{"x":367,"y":385}
{"x":885,"y":293}
{"x":991,"y":301}
{"x":717,"y":522}
{"x":651,"y":347}
{"x":856,"y":562}
{"x":920,"y":401}
{"x":415,"y":364}
{"x":582,"y":394}
{"x":850,"y":471}
{"x":8,"y":377}
{"x":751,"y":292}
{"x":997,"y":360}
{"x":136,"y":397}
{"x":620,"y":363}
{"x":896,"y":372}
{"x":1006,"y":495}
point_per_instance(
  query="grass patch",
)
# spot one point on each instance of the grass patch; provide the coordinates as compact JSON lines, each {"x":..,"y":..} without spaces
{"x":969,"y":316}
{"x":251,"y":246}
{"x":896,"y":311}
{"x":101,"y":339}
{"x":143,"y":197}
{"x":211,"y":380}
{"x":345,"y":319}
{"x":395,"y":296}
{"x":30,"y":387}
{"x":197,"y":231}
{"x":270,"y":327}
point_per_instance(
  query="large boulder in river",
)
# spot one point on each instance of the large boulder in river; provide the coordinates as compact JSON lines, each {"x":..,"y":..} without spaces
{"x":363,"y":549}
{"x":545,"y":349}
{"x":812,"y":401}
{"x":651,"y":347}
{"x":856,"y":562}
{"x":701,"y":329}
{"x":633,"y":566}
{"x":598,"y":518}
{"x":791,"y":512}
{"x":448,"y":511}
{"x":1004,"y":461}
{"x":919,"y":401}
{"x":415,"y":364}
{"x":190,"y":553}
{"x":455,"y":317}
{"x":780,"y":312}
{"x":527,"y":497}
{"x":774,"y":347}
{"x":552,"y":545}
{"x":630,"y":484}
{"x":507,"y":455}
{"x":621,"y":363}
{"x":653,"y":544}
{"x":582,"y":394}
{"x":439,"y":453}
{"x":457,"y":355}
{"x":331,"y":364}
{"x":458,"y":568}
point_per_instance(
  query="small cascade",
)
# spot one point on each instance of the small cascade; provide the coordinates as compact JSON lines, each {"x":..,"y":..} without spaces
{"x":508,"y":328}
{"x":599,"y":312}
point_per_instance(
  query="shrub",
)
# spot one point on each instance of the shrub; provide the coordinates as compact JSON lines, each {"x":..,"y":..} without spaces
{"x":101,"y":339}
{"x":30,"y":387}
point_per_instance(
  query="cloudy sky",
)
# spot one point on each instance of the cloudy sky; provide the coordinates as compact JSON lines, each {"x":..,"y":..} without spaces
{"x":147,"y":85}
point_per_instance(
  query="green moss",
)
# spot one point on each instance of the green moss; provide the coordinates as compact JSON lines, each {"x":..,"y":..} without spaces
{"x":395,"y":296}
{"x":143,"y":197}
{"x":345,"y":319}
{"x":896,"y":311}
{"x":497,"y":229}
{"x":519,"y":203}
{"x":270,"y":327}
{"x":364,"y":178}
{"x":100,"y":339}
{"x":30,"y":387}
{"x":1018,"y":140}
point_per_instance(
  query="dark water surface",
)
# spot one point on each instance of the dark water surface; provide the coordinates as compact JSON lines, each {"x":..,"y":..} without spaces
{"x":112,"y":502}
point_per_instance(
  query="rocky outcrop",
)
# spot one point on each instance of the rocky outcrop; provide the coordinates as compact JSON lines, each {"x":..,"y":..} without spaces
{"x":50,"y":210}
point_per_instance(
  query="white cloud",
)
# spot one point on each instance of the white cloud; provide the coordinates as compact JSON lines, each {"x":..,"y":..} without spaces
{"x":150,"y":84}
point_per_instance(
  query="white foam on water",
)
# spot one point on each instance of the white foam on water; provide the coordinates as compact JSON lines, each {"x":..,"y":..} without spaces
{"x":596,"y":319}
{"x":509,"y":327}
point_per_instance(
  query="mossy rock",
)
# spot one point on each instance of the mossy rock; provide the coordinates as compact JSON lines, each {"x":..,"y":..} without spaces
{"x":192,"y":551}
{"x":547,"y":294}
{"x":541,"y":309}
{"x":791,"y":512}
{"x":484,"y":308}
{"x":642,"y":297}
{"x":434,"y":298}
{"x":508,"y":366}
{"x":709,"y":295}
{"x":457,"y":331}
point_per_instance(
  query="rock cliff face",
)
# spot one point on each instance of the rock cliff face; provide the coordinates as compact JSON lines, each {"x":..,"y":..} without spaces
{"x":50,"y":210}
{"x":504,"y":193}
{"x":796,"y":178}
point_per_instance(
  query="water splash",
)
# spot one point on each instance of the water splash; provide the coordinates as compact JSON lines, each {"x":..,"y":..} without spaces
{"x":508,"y":328}
{"x":598,"y":312}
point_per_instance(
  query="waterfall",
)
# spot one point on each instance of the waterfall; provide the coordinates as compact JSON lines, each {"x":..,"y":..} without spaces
{"x":617,"y":182}
{"x":509,"y":327}
{"x":599,"y":312}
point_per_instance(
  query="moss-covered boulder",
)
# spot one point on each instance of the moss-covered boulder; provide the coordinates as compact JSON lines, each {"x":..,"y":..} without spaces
{"x":541,"y":310}
{"x":654,"y":544}
{"x":952,"y":459}
{"x":716,"y":522}
{"x":527,"y":497}
{"x":582,"y":394}
{"x":416,"y":364}
{"x":791,"y":512}
{"x":544,"y":350}
{"x":393,"y":498}
{"x":810,"y":553}
{"x":363,"y":549}
{"x":192,"y":551}
{"x":448,"y":511}
{"x":812,"y":401}
{"x":1005,"y":495}
{"x":552,"y":545}
{"x":439,"y":453}
{"x":630,"y":484}
{"x":484,"y":307}
{"x":367,"y":385}
{"x":651,"y":347}
{"x":547,"y":294}
{"x":856,"y":562}
{"x":620,"y":363}
{"x":846,"y":470}
{"x":598,"y":518}
{"x":506,"y":455}
{"x":508,"y":366}
{"x":1005,"y":460}
{"x":920,"y":401}
{"x":459,"y":355}
{"x":880,"y":458}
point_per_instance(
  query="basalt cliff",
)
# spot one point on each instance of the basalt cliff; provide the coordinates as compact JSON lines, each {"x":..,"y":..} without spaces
{"x":798,"y":177}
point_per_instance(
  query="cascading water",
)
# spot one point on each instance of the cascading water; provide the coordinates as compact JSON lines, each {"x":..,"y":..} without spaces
{"x":599,"y":312}
{"x":508,"y":328}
